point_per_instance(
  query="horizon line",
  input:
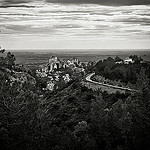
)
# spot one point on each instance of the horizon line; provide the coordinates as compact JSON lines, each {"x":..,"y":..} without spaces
{"x":81,"y":49}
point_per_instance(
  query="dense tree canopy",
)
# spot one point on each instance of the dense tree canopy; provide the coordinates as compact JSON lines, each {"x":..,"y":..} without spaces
{"x":72,"y":117}
{"x":126,"y":73}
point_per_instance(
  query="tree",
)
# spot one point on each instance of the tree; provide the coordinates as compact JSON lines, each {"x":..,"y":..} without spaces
{"x":117,"y":59}
{"x":2,"y":62}
{"x":2,"y":51}
{"x":107,"y":71}
{"x":81,"y":134}
{"x":142,"y":80}
{"x":10,"y":60}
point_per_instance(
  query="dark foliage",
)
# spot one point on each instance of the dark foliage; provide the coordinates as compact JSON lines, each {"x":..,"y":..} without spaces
{"x":125,"y":73}
{"x":73,"y":117}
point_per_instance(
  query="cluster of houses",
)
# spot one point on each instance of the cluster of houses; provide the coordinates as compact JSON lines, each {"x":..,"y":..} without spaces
{"x":125,"y":61}
{"x":129,"y":60}
{"x":55,"y":63}
{"x":53,"y":80}
{"x":54,"y":68}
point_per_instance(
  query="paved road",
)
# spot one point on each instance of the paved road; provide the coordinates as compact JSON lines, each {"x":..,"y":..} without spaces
{"x":88,"y":78}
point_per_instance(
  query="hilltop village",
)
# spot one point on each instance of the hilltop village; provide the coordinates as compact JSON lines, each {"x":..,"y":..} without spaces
{"x":56,"y":73}
{"x":56,"y":70}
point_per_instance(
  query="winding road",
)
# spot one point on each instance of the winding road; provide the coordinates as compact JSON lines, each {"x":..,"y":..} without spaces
{"x":88,"y":79}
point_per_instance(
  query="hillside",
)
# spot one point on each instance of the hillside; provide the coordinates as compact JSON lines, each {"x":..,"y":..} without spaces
{"x":71,"y":118}
{"x":125,"y":73}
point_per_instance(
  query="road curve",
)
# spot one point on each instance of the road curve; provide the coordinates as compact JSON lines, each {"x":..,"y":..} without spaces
{"x":88,"y":78}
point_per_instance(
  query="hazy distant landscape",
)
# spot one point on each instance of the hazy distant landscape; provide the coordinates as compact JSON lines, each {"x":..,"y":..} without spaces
{"x":36,"y":57}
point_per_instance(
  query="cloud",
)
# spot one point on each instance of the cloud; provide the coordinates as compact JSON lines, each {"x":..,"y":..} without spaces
{"x":78,"y":21}
{"x":105,"y":2}
{"x":101,"y":2}
{"x":16,"y":1}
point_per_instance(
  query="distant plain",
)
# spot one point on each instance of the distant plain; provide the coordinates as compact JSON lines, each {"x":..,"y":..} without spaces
{"x":34,"y":58}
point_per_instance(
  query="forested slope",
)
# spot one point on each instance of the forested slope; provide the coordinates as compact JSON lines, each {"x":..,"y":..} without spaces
{"x":71,"y":118}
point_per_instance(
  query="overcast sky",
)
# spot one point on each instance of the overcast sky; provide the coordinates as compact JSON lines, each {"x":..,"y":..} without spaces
{"x":75,"y":24}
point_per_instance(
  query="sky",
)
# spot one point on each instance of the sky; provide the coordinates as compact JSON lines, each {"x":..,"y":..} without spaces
{"x":75,"y":24}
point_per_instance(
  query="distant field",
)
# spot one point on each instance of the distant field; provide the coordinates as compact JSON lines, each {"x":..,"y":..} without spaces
{"x":35,"y":58}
